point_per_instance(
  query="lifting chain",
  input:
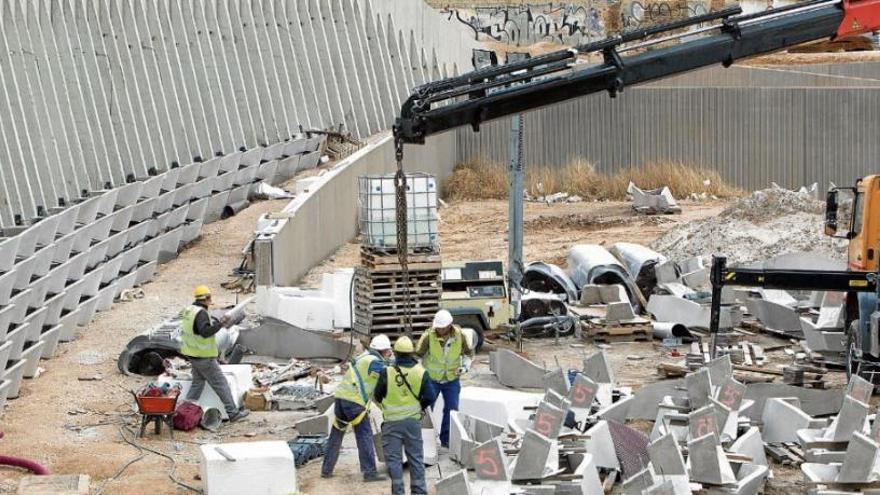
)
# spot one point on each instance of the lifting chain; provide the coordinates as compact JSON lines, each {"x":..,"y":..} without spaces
{"x":402,"y":226}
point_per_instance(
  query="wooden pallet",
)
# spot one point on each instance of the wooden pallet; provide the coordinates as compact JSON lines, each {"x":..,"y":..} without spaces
{"x":787,"y":454}
{"x":378,"y":261}
{"x":621,"y":333}
{"x":380,"y":295}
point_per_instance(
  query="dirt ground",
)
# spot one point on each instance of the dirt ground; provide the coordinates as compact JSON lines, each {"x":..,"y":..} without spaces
{"x":73,"y":425}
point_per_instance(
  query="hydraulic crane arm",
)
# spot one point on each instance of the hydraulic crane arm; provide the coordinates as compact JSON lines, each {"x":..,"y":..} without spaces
{"x":725,"y":36}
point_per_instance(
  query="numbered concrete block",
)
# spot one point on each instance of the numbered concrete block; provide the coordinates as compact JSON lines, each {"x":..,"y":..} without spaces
{"x":708,"y":463}
{"x":535,"y":460}
{"x":582,"y":393}
{"x":548,"y":420}
{"x":456,"y":484}
{"x":557,"y":381}
{"x":490,"y":463}
{"x":598,"y":368}
{"x":731,"y":394}
{"x":859,"y":389}
{"x":702,"y":422}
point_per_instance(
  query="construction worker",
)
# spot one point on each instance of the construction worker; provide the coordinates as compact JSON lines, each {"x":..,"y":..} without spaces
{"x":198,"y":329}
{"x":404,"y":390}
{"x":446,"y":355}
{"x":352,"y":408}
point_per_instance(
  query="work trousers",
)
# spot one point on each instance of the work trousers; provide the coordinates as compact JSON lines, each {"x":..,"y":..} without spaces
{"x":450,"y":392}
{"x":346,"y":411}
{"x":397,"y":436}
{"x":208,"y":370}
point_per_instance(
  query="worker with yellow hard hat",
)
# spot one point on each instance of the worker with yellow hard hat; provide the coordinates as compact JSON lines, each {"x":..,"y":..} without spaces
{"x":199,"y":345}
{"x":404,"y":390}
{"x":352,"y":408}
{"x":446,"y":355}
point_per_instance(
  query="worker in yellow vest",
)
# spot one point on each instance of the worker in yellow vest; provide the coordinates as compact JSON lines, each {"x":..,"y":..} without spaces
{"x":198,"y":330}
{"x":404,"y":390}
{"x":446,"y":355}
{"x":352,"y":408}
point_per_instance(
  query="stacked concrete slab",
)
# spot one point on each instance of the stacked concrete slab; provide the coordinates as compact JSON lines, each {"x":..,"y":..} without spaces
{"x":125,"y":126}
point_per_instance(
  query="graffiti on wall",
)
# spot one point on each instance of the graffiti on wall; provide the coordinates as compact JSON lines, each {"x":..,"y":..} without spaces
{"x":570,"y":24}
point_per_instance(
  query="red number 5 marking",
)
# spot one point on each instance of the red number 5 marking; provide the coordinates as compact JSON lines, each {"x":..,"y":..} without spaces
{"x":487,"y":462}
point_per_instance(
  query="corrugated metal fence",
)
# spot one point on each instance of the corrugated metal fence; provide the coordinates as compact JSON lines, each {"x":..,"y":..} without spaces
{"x":824,"y":130}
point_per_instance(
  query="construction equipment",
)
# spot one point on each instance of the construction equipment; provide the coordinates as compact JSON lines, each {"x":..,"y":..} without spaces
{"x":630,"y":58}
{"x":859,"y":281}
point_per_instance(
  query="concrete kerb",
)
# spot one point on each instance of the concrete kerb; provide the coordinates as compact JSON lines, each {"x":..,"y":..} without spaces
{"x":516,"y":371}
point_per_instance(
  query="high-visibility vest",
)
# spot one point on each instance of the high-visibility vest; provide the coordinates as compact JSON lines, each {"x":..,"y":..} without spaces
{"x":443,"y":359}
{"x":400,"y":403}
{"x":195,"y":345}
{"x":358,"y":385}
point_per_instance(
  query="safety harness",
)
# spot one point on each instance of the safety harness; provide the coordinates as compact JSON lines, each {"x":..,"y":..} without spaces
{"x":342,"y":425}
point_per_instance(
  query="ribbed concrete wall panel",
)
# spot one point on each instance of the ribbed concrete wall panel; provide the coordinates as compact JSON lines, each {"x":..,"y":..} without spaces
{"x":752,"y":136}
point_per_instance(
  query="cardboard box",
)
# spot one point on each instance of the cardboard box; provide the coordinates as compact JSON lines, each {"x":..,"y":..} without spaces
{"x":255,"y":399}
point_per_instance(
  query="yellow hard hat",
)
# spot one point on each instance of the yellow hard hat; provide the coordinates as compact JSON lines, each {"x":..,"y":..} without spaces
{"x":404,"y":344}
{"x":201,"y":292}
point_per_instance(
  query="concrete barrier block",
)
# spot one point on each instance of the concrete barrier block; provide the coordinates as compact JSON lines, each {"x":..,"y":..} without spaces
{"x":7,"y":284}
{"x":50,"y":338}
{"x":308,"y":161}
{"x":202,"y":188}
{"x":267,"y":171}
{"x":251,"y":157}
{"x":138,"y":233}
{"x":43,"y":261}
{"x":144,"y":209}
{"x":35,"y":322}
{"x":24,"y":270}
{"x":170,"y":245}
{"x":708,"y":463}
{"x":105,"y":297}
{"x":598,"y":368}
{"x":4,"y":391}
{"x":5,"y":349}
{"x":170,"y":179}
{"x":122,"y":218}
{"x":69,"y":328}
{"x":150,"y":249}
{"x":8,"y":252}
{"x":238,"y":194}
{"x":63,"y":248}
{"x":225,"y":181}
{"x":295,"y":146}
{"x":83,"y":238}
{"x":497,"y":405}
{"x":782,"y":420}
{"x":130,"y":258}
{"x":67,"y":220}
{"x":6,"y":313}
{"x":274,"y":151}
{"x":18,"y":336}
{"x":456,"y":484}
{"x":152,"y":186}
{"x":860,"y":461}
{"x":87,"y":210}
{"x":111,"y":269}
{"x":165,"y":201}
{"x":601,"y":446}
{"x":128,"y":194}
{"x":73,"y":294}
{"x":77,"y":265}
{"x":87,"y":311}
{"x":230,"y":162}
{"x":44,"y":231}
{"x":209,"y":168}
{"x":92,"y":281}
{"x":159,"y":225}
{"x":32,"y":354}
{"x":215,"y":208}
{"x":198,"y":209}
{"x":14,"y":375}
{"x":145,"y":273}
{"x":107,"y":201}
{"x":259,"y":467}
{"x":188,"y":174}
{"x":287,"y":168}
{"x":98,"y":253}
{"x":101,"y":228}
{"x":125,"y":282}
{"x":516,"y":371}
{"x":191,"y":231}
{"x":54,"y":307}
{"x":184,"y":194}
{"x":245,"y":175}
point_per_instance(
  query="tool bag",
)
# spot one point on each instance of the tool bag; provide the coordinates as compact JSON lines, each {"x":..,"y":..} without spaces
{"x":187,"y":416}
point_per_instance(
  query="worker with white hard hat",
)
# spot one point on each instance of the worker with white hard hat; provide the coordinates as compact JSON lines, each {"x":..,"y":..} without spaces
{"x":352,"y":408}
{"x":446,"y":355}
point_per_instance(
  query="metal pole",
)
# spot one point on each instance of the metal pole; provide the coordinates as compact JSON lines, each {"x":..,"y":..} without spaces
{"x":515,"y":223}
{"x":719,"y":264}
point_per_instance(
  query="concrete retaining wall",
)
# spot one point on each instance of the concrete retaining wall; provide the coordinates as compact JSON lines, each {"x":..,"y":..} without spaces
{"x":315,"y":224}
{"x":126,"y":125}
{"x":753,"y":128}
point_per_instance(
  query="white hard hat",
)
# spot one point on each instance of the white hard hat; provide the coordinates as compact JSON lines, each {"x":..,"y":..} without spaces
{"x":442,"y":319}
{"x":380,"y":342}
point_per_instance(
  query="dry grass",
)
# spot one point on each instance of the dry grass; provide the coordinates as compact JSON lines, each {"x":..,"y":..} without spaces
{"x":479,"y":179}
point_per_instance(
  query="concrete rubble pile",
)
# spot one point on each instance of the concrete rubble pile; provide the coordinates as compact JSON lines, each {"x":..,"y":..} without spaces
{"x":652,"y":201}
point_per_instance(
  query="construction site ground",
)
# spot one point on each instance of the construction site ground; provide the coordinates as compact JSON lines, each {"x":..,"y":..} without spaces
{"x":77,"y":416}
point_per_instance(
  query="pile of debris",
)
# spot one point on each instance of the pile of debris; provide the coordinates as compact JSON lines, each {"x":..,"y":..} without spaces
{"x":766,"y":224}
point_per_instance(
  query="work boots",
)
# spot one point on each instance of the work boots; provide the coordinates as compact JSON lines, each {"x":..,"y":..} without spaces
{"x":375,"y":477}
{"x":238,"y":415}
